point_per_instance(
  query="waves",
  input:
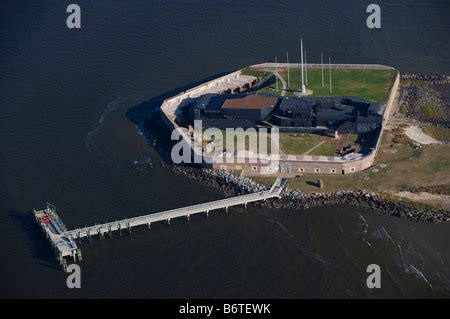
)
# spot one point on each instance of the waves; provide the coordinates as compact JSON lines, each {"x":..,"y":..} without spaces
{"x":111,"y":107}
{"x":308,"y":253}
{"x":366,"y":227}
{"x":90,"y":136}
{"x":407,"y":267}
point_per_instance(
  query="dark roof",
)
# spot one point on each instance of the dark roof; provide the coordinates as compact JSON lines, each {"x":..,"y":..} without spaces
{"x":337,"y":107}
{"x":369,"y":119}
{"x":374,"y":107}
{"x":209,"y":102}
{"x":330,"y":113}
{"x":297,"y":104}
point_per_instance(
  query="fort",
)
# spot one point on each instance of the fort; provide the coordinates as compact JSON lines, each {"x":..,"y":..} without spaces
{"x":318,"y":134}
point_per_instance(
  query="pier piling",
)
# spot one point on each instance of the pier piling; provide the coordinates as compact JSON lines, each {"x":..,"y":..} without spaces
{"x":80,"y":257}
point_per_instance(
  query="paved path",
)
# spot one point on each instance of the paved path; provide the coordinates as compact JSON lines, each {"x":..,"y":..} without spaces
{"x":283,"y":83}
{"x":416,"y":134}
{"x":313,"y":148}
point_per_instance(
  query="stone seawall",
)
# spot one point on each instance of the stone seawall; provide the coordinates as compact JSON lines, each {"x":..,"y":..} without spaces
{"x":292,"y":199}
{"x":318,"y":66}
{"x":428,"y":78}
{"x":418,"y":97}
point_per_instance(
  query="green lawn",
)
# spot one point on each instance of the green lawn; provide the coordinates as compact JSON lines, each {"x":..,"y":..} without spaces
{"x":255,"y":73}
{"x":298,"y":143}
{"x":430,"y":111}
{"x":439,"y":133}
{"x":239,"y":137}
{"x":290,"y":143}
{"x":326,"y":149}
{"x":372,"y":85}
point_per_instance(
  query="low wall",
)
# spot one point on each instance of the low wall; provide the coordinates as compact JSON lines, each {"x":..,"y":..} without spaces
{"x":325,"y":65}
{"x":287,"y":168}
{"x":388,"y":110}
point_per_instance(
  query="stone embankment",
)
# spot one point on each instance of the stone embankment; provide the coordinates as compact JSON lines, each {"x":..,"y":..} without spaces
{"x":424,"y":103}
{"x":428,"y":78}
{"x":294,"y":199}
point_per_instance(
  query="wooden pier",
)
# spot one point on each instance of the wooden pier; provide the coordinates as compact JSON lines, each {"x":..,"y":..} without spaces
{"x":64,"y":241}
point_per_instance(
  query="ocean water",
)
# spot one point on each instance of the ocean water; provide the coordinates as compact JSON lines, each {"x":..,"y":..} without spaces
{"x":71,"y":103}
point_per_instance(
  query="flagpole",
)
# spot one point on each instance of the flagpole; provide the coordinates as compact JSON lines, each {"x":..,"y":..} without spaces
{"x":329,"y":67}
{"x":306,"y":70}
{"x":301,"y":56}
{"x":321,"y":60}
{"x":287,"y":59}
{"x":276,"y":72}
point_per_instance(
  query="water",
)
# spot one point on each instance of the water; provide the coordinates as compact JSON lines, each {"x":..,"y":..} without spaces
{"x":65,"y":137}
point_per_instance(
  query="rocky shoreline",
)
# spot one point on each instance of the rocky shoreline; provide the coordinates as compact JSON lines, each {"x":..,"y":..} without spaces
{"x":427,"y":78}
{"x":416,"y":97}
{"x":293,"y":199}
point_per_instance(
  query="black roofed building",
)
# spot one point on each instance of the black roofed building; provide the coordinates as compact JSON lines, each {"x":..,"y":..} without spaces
{"x":294,"y":112}
{"x":229,"y":111}
{"x":342,"y":114}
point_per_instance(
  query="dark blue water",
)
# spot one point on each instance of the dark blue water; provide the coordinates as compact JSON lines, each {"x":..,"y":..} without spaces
{"x":65,"y":137}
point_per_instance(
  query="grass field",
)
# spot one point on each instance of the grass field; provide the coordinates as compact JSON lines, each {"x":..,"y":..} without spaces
{"x":242,"y":141}
{"x":255,"y":73}
{"x":372,"y":85}
{"x":439,"y":133}
{"x":290,"y":143}
{"x":298,"y":143}
{"x":430,"y":111}
{"x":301,"y":143}
{"x":326,"y":149}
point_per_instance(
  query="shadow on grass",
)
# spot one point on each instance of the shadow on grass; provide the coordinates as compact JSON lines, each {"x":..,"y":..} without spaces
{"x":368,"y":140}
{"x":314,"y":184}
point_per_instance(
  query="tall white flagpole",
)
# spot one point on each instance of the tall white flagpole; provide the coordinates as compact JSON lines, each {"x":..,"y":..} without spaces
{"x":287,"y":60}
{"x":301,"y":54}
{"x":329,"y":67}
{"x":321,"y":60}
{"x":306,"y":70}
{"x":276,"y":72}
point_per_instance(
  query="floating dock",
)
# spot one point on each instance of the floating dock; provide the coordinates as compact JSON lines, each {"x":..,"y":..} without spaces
{"x":64,"y":241}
